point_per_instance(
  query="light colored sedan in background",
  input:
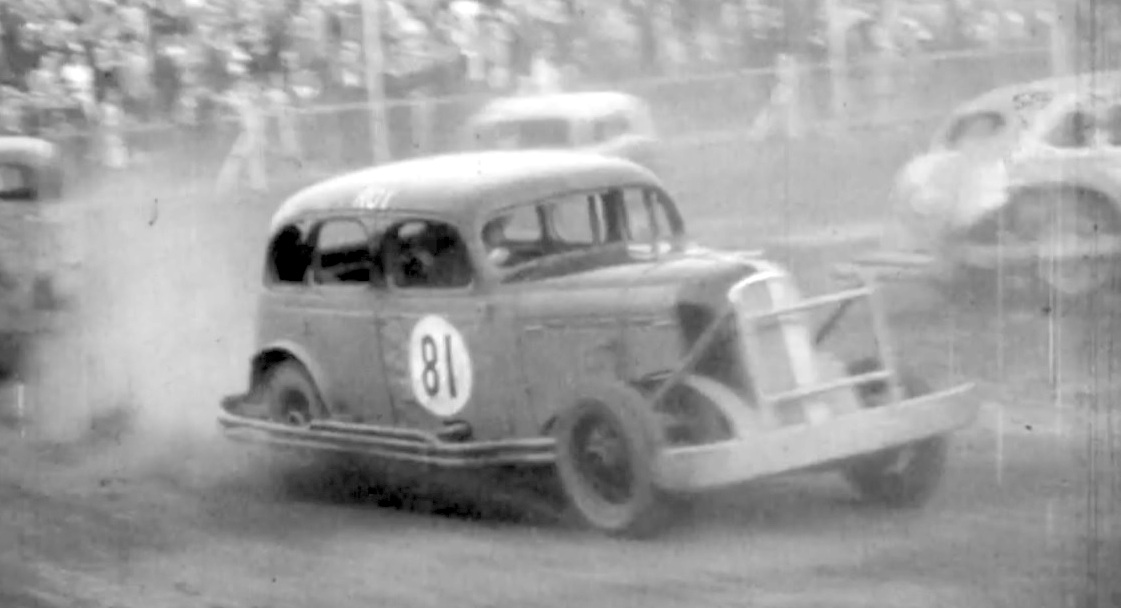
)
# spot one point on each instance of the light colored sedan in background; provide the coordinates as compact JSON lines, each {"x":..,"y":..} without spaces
{"x":1023,"y":182}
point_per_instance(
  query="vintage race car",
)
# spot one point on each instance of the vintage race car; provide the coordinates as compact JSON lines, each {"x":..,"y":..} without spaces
{"x":1024,"y":180}
{"x":611,"y":123}
{"x":545,"y":308}
{"x":31,"y":267}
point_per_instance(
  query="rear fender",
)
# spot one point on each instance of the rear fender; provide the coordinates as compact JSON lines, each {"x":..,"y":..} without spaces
{"x":284,"y":350}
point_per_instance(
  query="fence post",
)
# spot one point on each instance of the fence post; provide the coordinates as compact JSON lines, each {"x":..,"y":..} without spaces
{"x":1059,"y":39}
{"x":885,"y":86}
{"x":375,"y":85}
{"x":838,"y":63}
{"x":420,"y":110}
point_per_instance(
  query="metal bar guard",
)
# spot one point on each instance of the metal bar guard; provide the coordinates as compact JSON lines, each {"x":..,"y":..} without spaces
{"x":750,"y":321}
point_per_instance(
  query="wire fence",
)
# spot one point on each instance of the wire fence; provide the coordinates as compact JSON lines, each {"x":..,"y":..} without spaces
{"x":688,"y":111}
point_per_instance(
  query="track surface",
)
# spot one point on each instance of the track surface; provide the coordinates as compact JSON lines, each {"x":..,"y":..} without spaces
{"x":168,"y":515}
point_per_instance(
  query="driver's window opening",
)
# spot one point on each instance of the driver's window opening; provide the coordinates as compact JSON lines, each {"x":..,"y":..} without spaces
{"x":1111,"y":123}
{"x":289,"y":255}
{"x":975,"y":129}
{"x":1076,"y":129}
{"x":342,"y":253}
{"x":428,"y":254}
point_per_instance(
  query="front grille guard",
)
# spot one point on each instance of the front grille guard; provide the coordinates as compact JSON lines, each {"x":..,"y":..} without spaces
{"x":789,"y":306}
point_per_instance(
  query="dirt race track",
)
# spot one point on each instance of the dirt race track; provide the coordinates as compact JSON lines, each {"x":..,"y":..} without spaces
{"x":166,"y":514}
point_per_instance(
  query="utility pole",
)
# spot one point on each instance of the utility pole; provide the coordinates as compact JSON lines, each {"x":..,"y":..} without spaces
{"x":838,"y":61}
{"x":375,"y":79}
{"x":1059,"y":36}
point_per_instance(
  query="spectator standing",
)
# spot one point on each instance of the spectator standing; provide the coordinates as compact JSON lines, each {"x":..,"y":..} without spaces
{"x":136,"y":79}
{"x":280,"y":109}
{"x":247,"y":156}
{"x":114,"y":151}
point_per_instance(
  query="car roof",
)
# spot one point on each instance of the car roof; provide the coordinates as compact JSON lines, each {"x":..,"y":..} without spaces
{"x":559,"y":105}
{"x":1003,"y":99}
{"x":22,"y":149}
{"x":462,"y":185}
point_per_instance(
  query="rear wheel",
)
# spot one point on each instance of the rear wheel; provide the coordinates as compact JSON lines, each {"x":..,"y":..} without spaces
{"x":291,"y":396}
{"x":907,"y":476}
{"x":606,"y":445}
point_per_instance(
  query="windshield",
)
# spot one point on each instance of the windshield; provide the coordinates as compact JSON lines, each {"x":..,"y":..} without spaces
{"x":628,"y":222}
{"x":527,"y":134}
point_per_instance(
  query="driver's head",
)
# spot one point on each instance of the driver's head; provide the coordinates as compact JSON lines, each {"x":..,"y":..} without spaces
{"x":494,"y":233}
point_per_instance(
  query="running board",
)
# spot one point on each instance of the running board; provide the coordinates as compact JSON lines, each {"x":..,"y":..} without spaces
{"x":386,"y":443}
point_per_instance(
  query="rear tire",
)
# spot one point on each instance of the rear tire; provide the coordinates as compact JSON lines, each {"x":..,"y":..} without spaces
{"x":606,"y":445}
{"x":903,"y":477}
{"x":291,"y":395}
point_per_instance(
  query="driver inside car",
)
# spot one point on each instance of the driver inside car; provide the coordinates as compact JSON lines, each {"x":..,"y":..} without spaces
{"x":494,"y":237}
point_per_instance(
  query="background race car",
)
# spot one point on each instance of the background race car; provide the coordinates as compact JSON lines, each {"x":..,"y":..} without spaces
{"x":1023,"y":182}
{"x":610,"y":123}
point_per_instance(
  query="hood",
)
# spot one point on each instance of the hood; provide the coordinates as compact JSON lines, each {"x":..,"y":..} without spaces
{"x":668,"y":268}
{"x":643,"y":286}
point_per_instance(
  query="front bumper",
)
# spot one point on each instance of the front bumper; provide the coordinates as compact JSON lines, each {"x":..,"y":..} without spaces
{"x":805,"y":446}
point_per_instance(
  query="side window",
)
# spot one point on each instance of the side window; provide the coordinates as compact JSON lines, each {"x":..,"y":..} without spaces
{"x":645,"y":217}
{"x":289,"y":255}
{"x":1111,"y":124}
{"x":975,"y":128}
{"x":577,"y":220}
{"x":427,"y":254}
{"x":1074,"y":130}
{"x":522,"y":224}
{"x":342,"y":253}
{"x":15,"y":182}
{"x":611,"y":127}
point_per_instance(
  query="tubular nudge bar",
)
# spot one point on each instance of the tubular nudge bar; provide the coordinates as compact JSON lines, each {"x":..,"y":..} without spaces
{"x":750,"y":321}
{"x":787,"y":447}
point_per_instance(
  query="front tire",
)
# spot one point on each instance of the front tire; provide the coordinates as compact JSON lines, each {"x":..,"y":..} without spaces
{"x":903,"y":477}
{"x":606,"y":445}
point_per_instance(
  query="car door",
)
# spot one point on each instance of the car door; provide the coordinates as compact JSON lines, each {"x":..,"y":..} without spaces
{"x":338,"y":321}
{"x":447,"y":343}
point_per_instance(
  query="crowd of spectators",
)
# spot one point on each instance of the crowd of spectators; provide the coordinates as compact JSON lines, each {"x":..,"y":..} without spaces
{"x":70,"y":65}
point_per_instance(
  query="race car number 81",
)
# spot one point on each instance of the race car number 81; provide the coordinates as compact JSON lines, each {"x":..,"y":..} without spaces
{"x":439,"y":366}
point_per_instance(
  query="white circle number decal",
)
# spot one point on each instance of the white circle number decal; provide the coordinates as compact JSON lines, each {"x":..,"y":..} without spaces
{"x":439,"y":366}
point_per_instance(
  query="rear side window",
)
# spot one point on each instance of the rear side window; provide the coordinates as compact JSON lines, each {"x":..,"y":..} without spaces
{"x":611,"y":127}
{"x":529,"y":134}
{"x":974,"y":128}
{"x":289,"y":255}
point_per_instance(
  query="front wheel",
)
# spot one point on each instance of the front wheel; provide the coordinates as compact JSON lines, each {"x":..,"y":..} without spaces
{"x":606,"y":445}
{"x":907,"y":476}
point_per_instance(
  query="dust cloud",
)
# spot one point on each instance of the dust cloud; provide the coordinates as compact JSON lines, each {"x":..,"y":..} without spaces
{"x":164,"y":330}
